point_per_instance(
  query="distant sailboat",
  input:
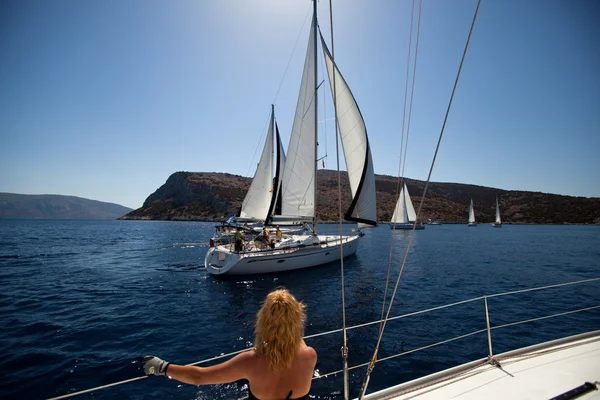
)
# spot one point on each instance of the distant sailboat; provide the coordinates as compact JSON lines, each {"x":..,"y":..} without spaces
{"x":498,"y":223}
{"x":472,"y":215}
{"x":404,"y":213}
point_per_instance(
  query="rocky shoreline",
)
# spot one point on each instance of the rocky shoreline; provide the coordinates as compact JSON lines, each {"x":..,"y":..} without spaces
{"x":212,"y":196}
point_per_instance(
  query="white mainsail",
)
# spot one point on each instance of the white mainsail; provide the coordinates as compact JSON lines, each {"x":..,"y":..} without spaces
{"x":404,"y":212}
{"x":498,"y":221}
{"x":355,"y":143}
{"x":298,"y":182}
{"x":471,"y":213}
{"x":258,"y":199}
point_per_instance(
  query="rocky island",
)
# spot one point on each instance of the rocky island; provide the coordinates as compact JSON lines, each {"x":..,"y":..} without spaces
{"x":212,"y":196}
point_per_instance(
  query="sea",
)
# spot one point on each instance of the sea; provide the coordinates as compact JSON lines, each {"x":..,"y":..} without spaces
{"x":83,"y":300}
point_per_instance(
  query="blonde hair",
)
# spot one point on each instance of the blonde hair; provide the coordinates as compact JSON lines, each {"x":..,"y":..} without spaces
{"x":279,"y":329}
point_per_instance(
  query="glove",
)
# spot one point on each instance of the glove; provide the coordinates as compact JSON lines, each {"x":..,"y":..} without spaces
{"x":154,"y":366}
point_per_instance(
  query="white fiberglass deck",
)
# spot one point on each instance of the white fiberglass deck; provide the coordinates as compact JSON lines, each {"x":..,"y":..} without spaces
{"x":536,"y":372}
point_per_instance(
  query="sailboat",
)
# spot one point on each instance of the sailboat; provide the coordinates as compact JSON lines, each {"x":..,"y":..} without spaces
{"x":472,"y":215}
{"x":263,"y":198}
{"x":498,"y":222}
{"x":404,"y":213}
{"x":298,"y":184}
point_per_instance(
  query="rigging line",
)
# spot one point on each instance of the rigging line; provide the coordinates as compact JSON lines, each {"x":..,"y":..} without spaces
{"x":400,"y":180}
{"x":366,"y":381}
{"x":412,"y":90}
{"x":337,"y":155}
{"x":545,"y":317}
{"x":543,"y":287}
{"x":291,"y":55}
{"x":407,"y":352}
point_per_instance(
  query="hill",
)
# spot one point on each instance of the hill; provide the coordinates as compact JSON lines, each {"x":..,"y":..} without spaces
{"x":56,"y":206}
{"x":210,"y":196}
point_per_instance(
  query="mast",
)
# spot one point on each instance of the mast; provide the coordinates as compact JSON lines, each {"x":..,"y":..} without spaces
{"x":315,"y":28}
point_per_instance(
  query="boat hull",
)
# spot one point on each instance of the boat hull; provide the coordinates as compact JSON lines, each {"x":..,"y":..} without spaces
{"x":303,"y":253}
{"x":408,"y":226}
{"x":472,"y":224}
{"x":497,"y":225}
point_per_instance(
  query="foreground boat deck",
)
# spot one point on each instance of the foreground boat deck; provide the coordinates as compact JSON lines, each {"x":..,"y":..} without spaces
{"x":537,"y":372}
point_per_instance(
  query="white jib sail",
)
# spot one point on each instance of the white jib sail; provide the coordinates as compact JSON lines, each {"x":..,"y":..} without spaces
{"x":258,"y":199}
{"x":355,"y":143}
{"x":298,"y":184}
{"x":410,"y":211}
{"x":498,"y":221}
{"x":471,"y":213}
{"x":400,"y":215}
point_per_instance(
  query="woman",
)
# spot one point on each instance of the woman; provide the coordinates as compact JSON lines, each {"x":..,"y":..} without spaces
{"x":280,"y":366}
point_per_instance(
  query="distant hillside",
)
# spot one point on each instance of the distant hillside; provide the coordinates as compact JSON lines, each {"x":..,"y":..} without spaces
{"x":57,"y":206}
{"x":210,"y":196}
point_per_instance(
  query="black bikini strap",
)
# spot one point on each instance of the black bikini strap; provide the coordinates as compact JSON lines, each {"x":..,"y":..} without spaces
{"x":289,"y":396}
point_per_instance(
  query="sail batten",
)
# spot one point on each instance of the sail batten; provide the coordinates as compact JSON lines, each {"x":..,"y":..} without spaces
{"x":355,"y":144}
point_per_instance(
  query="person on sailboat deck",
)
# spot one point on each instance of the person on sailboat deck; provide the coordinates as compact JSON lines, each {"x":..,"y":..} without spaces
{"x":238,"y":240}
{"x":280,"y":366}
{"x":278,"y":234}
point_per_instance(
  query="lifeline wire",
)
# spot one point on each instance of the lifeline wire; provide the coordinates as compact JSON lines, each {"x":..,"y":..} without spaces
{"x":372,"y":364}
{"x":388,"y":319}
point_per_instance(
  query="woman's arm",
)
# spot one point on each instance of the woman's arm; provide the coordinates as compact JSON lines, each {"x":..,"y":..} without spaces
{"x":232,"y":370}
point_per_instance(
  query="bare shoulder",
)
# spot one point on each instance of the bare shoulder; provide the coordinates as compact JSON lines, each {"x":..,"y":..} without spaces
{"x":246,"y":357}
{"x":309,"y":353}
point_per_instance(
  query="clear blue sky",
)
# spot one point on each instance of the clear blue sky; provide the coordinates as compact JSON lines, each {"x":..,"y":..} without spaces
{"x":105,"y":99}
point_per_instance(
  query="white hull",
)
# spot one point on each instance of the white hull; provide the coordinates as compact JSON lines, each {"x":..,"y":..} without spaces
{"x":536,"y":372}
{"x":295,"y":253}
{"x":471,"y":224}
{"x":406,"y":226}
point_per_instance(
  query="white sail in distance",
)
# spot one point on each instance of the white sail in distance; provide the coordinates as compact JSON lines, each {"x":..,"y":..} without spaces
{"x":355,"y":143}
{"x":298,"y":182}
{"x":498,"y":221}
{"x":404,"y":212}
{"x":471,"y":213}
{"x":258,"y":199}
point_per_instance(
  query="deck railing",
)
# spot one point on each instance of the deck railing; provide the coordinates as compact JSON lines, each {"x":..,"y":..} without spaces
{"x":487,"y":329}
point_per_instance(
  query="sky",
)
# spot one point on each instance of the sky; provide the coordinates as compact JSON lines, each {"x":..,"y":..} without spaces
{"x":105,"y":99}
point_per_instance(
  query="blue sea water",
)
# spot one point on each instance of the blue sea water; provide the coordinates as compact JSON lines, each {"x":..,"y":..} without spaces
{"x":82,"y":301}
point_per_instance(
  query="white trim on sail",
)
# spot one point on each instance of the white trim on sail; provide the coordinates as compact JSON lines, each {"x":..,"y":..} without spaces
{"x":258,"y":199}
{"x":298,"y":185}
{"x":355,"y":142}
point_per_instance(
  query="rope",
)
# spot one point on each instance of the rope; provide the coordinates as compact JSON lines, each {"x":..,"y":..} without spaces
{"x":344,"y":348}
{"x":400,"y":164}
{"x":543,"y":287}
{"x":546,"y":317}
{"x":366,"y":380}
{"x":291,"y":56}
